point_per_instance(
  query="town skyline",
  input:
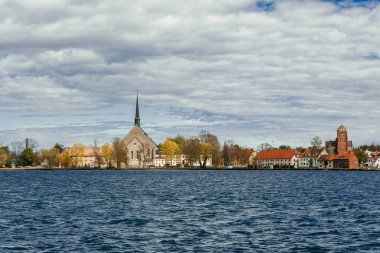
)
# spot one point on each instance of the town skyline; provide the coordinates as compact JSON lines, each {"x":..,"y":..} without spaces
{"x":280,"y":72}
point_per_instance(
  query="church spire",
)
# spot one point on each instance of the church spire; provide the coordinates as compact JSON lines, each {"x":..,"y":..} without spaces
{"x":137,"y":117}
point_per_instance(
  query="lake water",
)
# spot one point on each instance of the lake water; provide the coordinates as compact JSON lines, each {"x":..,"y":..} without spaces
{"x":189,"y":211}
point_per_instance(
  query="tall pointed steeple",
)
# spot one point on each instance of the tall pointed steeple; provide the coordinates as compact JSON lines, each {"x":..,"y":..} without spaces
{"x":137,"y":117}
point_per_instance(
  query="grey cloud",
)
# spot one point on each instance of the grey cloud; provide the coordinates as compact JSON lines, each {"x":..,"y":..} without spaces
{"x":295,"y":63}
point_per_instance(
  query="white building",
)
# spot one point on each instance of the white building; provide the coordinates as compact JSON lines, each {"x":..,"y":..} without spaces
{"x":308,"y":159}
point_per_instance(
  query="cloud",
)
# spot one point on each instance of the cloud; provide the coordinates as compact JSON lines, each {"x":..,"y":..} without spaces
{"x":251,"y":70}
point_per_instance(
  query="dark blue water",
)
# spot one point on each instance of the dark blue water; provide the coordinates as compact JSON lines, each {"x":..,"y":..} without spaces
{"x":182,"y":211}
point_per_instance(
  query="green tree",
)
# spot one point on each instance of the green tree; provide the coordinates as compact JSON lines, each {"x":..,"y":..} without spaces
{"x":301,"y":149}
{"x":264,"y":146}
{"x":283,"y":147}
{"x":361,"y":155}
{"x":28,"y":157}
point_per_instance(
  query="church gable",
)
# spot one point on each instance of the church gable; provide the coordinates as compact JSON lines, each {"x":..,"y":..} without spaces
{"x":138,"y":134}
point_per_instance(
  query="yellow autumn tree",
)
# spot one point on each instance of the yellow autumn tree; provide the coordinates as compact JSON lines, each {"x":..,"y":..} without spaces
{"x":170,"y":149}
{"x":77,"y":153}
{"x":3,"y":158}
{"x":108,"y":153}
{"x":65,"y":158}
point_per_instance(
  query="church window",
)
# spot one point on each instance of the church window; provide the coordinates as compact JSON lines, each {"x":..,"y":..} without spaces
{"x":342,"y":137}
{"x":131,"y":154}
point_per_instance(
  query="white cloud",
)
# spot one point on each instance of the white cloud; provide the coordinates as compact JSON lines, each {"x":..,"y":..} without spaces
{"x":287,"y":74}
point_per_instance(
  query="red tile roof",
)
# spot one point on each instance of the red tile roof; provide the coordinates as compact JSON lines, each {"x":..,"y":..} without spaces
{"x":277,"y":154}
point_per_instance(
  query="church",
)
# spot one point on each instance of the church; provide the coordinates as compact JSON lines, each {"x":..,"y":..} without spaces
{"x":340,"y":153}
{"x":141,"y":149}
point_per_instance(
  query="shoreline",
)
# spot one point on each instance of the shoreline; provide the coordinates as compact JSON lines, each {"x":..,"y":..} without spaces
{"x":177,"y":169}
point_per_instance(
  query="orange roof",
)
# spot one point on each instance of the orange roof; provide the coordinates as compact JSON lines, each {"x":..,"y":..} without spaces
{"x":277,"y":154}
{"x":309,"y":153}
{"x":242,"y":153}
{"x":345,"y":155}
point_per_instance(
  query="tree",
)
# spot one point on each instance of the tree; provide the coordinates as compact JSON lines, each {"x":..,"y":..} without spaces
{"x":301,"y":149}
{"x":108,"y":154}
{"x":32,"y":144}
{"x":192,"y":150}
{"x":3,"y":158}
{"x":98,"y":154}
{"x":361,"y":155}
{"x":284,"y":147}
{"x":51,"y":156}
{"x":206,"y":152}
{"x":77,"y":153}
{"x":7,"y":162}
{"x":17,"y":148}
{"x":264,"y":146}
{"x":120,"y":152}
{"x":316,"y":145}
{"x":28,"y":157}
{"x":66,"y":159}
{"x":213,"y":141}
{"x":170,"y":149}
{"x":181,"y":142}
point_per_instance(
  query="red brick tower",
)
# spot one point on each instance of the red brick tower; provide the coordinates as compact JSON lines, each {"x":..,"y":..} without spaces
{"x":341,"y":140}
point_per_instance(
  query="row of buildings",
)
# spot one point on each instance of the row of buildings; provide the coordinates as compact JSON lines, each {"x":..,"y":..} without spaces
{"x":142,"y":152}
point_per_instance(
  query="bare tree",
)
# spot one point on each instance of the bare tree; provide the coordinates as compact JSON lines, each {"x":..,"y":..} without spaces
{"x":98,"y":154}
{"x":16,"y":150}
{"x":120,"y":152}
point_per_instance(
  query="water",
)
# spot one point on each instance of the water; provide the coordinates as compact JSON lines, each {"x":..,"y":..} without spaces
{"x":196,"y":211}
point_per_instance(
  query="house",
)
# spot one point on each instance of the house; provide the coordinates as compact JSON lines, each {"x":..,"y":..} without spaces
{"x":326,"y":161}
{"x":286,"y":158}
{"x":309,"y":158}
{"x":243,"y":158}
{"x":376,"y":163}
{"x":344,"y":160}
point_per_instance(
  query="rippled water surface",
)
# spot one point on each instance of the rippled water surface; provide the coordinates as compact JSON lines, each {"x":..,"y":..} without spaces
{"x":182,"y":211}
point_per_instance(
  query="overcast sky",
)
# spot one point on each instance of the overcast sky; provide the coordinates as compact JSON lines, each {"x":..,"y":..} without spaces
{"x":253,"y":71}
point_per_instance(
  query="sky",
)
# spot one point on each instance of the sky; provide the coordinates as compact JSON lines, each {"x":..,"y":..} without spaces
{"x":251,"y":71}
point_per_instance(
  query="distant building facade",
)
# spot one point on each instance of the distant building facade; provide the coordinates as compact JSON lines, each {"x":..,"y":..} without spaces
{"x":308,"y":159}
{"x":243,"y":158}
{"x":286,"y":158}
{"x":341,"y":154}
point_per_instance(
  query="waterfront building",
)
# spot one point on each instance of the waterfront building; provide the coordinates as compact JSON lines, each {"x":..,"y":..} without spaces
{"x":326,"y":161}
{"x":341,"y":143}
{"x":376,"y":164}
{"x":286,"y":158}
{"x":86,"y":157}
{"x":308,"y":159}
{"x":243,"y":158}
{"x":140,"y":148}
{"x":181,"y":161}
{"x":341,"y":154}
